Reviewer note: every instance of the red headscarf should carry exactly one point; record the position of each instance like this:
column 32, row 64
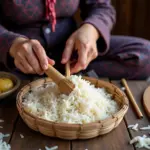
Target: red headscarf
column 50, row 12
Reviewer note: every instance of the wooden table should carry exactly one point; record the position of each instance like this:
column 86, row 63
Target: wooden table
column 118, row 139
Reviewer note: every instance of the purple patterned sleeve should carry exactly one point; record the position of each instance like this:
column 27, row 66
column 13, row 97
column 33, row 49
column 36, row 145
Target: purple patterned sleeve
column 6, row 40
column 102, row 16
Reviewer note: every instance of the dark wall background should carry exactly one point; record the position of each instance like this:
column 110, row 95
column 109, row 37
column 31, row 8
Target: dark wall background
column 133, row 17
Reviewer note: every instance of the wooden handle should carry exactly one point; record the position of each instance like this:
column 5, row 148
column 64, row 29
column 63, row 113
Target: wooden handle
column 146, row 100
column 55, row 75
column 131, row 98
column 68, row 69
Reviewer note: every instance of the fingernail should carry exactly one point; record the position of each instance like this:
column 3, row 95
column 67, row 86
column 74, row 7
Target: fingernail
column 45, row 67
column 63, row 60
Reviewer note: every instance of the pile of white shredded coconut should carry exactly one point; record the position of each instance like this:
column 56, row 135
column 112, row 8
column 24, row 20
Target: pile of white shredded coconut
column 3, row 144
column 83, row 105
column 141, row 142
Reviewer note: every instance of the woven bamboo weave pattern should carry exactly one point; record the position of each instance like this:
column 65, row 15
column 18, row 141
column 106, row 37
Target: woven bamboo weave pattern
column 74, row 131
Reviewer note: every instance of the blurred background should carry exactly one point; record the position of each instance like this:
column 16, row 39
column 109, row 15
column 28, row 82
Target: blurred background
column 133, row 18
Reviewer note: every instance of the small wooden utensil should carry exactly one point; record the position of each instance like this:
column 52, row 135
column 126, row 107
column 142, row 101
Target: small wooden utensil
column 131, row 98
column 67, row 69
column 65, row 85
column 146, row 100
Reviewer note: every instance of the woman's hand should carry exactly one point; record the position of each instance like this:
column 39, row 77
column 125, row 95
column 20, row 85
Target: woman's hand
column 84, row 41
column 29, row 56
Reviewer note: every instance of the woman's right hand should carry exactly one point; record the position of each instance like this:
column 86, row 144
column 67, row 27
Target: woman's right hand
column 29, row 56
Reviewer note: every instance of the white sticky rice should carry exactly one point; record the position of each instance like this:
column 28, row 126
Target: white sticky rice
column 84, row 104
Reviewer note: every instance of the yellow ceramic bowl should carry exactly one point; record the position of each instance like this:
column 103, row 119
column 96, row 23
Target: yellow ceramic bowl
column 14, row 79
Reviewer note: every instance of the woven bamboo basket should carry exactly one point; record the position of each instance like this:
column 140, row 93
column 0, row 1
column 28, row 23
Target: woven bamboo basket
column 74, row 131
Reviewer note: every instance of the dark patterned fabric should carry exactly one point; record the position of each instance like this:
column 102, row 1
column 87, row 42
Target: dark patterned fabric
column 23, row 17
column 51, row 13
column 118, row 56
column 128, row 57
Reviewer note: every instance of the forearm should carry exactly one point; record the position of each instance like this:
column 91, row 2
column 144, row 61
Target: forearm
column 100, row 15
column 91, row 30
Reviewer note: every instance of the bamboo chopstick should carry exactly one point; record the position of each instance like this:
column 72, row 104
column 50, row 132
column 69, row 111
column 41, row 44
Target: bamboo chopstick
column 131, row 98
column 67, row 68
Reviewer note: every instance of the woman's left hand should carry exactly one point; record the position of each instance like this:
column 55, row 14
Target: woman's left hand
column 84, row 41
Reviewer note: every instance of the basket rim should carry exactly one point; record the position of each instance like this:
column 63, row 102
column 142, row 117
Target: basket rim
column 48, row 80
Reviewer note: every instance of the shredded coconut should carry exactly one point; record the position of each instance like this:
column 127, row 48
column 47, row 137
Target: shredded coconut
column 3, row 144
column 145, row 128
column 83, row 105
column 141, row 142
column 130, row 126
column 6, row 135
column 22, row 136
column 1, row 120
column 52, row 148
column 133, row 127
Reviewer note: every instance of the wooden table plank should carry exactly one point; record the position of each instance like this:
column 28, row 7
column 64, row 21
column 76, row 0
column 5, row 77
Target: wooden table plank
column 116, row 140
column 33, row 140
column 137, row 88
column 9, row 114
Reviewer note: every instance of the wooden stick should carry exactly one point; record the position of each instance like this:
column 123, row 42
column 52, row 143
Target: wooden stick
column 131, row 98
column 54, row 74
column 65, row 85
column 68, row 69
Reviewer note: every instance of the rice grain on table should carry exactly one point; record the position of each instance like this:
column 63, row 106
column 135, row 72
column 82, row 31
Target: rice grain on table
column 145, row 128
column 134, row 127
column 52, row 148
column 84, row 104
column 1, row 120
column 22, row 136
